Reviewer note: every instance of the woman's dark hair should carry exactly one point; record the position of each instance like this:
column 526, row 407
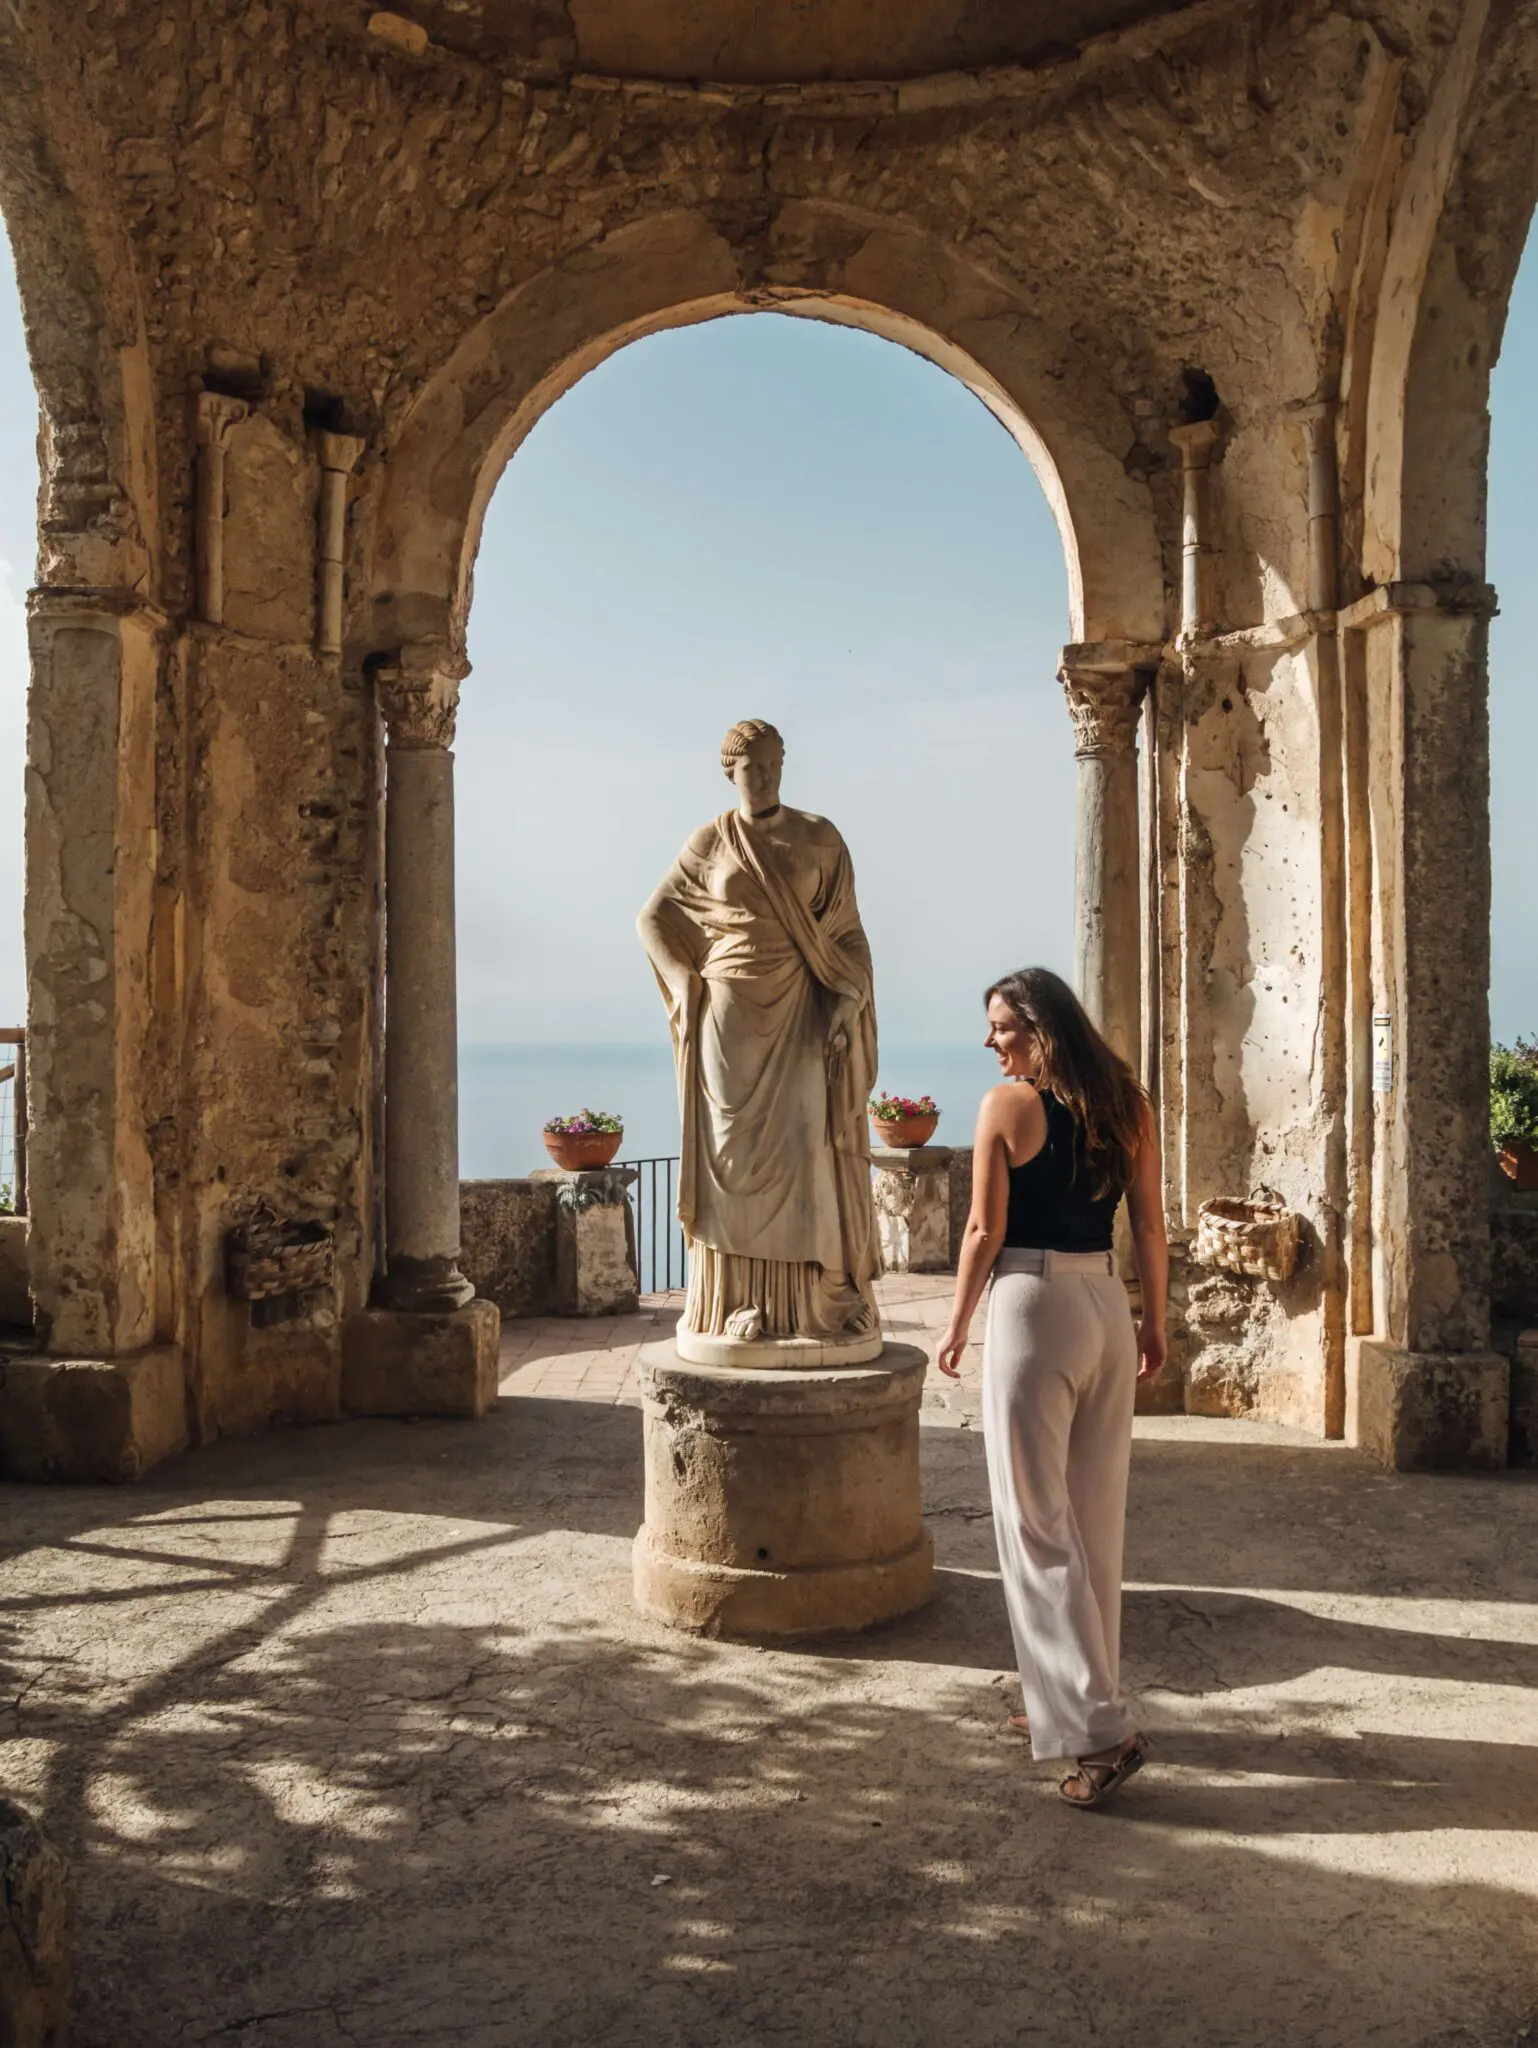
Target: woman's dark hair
column 1082, row 1071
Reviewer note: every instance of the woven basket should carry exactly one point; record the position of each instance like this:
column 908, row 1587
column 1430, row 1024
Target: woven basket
column 1258, row 1237
column 268, row 1256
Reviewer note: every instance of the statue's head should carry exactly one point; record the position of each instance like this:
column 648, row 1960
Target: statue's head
column 753, row 756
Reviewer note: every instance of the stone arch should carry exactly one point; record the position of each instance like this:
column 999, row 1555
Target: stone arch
column 679, row 268
column 97, row 524
column 1459, row 224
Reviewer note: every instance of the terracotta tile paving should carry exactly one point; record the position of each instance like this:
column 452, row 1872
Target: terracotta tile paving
column 593, row 1358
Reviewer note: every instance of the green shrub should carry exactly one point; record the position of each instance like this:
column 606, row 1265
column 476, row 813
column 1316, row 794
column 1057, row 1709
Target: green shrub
column 1514, row 1092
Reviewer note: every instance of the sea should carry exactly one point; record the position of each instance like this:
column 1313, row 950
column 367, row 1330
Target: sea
column 507, row 1092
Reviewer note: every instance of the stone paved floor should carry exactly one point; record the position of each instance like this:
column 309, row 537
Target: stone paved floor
column 595, row 1361
column 355, row 1737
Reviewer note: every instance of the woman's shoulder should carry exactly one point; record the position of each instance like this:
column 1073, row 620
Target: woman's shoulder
column 1007, row 1105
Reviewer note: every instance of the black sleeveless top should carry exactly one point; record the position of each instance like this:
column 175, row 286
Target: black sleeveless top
column 1050, row 1205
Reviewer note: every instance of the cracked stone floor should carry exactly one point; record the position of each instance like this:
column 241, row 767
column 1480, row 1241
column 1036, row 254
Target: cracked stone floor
column 355, row 1738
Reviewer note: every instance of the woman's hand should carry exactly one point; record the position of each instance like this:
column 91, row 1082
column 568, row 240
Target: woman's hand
column 1151, row 1347
column 949, row 1355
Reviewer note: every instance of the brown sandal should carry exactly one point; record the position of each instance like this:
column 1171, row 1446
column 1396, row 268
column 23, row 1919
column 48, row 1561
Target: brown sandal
column 1103, row 1778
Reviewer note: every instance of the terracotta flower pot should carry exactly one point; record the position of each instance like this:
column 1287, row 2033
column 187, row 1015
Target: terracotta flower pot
column 1519, row 1163
column 909, row 1130
column 584, row 1153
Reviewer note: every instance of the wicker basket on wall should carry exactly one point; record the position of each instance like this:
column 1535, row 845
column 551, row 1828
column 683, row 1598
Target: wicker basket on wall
column 1258, row 1237
column 269, row 1255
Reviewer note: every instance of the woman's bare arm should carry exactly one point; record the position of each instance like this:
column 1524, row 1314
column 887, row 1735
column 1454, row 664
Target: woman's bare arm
column 1007, row 1121
column 1145, row 1205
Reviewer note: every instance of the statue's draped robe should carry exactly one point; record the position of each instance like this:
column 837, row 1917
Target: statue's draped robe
column 774, row 1180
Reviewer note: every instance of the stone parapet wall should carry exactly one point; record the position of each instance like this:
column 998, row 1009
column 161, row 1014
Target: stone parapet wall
column 551, row 1244
column 1514, row 1258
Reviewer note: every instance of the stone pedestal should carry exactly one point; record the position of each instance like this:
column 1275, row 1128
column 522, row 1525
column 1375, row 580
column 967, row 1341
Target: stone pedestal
column 408, row 1362
column 782, row 1504
column 1422, row 1411
column 911, row 1188
column 594, row 1249
column 87, row 1419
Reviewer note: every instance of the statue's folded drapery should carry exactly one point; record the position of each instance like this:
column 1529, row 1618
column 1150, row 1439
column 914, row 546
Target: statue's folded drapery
column 774, row 1182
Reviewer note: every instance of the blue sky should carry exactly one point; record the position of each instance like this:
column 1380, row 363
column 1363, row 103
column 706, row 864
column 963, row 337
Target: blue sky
column 769, row 517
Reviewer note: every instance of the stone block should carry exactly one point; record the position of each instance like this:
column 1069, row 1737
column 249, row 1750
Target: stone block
column 15, row 1285
column 1523, row 1425
column 507, row 1243
column 911, row 1189
column 91, row 1418
column 396, row 1362
column 1514, row 1256
column 594, row 1241
column 782, row 1504
column 37, row 1925
column 1432, row 1411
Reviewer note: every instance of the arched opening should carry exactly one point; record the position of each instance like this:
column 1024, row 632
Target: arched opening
column 1513, row 544
column 1513, row 541
column 424, row 522
column 18, row 549
column 775, row 517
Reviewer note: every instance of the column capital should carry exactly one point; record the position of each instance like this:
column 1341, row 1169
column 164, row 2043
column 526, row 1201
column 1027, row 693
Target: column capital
column 418, row 691
column 217, row 412
column 339, row 452
column 1196, row 442
column 1105, row 688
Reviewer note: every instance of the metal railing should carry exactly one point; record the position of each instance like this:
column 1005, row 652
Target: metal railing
column 13, row 1121
column 658, row 1242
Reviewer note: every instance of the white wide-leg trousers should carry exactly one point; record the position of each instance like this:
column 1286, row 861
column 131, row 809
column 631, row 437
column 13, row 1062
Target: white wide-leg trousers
column 1059, row 1372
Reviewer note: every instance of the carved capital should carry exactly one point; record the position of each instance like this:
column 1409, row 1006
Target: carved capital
column 339, row 452
column 1196, row 442
column 217, row 412
column 418, row 690
column 1104, row 702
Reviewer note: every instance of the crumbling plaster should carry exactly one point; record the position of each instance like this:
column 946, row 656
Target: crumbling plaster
column 1220, row 204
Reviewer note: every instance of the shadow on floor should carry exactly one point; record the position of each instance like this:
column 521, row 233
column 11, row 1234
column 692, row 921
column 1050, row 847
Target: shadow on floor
column 356, row 1738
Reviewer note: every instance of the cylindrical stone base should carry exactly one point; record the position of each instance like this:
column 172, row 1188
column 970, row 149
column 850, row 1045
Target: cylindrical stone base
column 782, row 1504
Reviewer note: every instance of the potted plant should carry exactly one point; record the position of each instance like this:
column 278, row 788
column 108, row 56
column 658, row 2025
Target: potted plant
column 581, row 1143
column 903, row 1119
column 1514, row 1110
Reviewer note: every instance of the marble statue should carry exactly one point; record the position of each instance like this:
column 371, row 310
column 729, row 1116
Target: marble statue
column 765, row 970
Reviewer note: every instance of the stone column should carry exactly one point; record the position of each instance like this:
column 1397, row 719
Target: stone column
column 428, row 1347
column 338, row 458
column 1196, row 444
column 1430, row 1391
column 1105, row 685
column 419, row 696
column 106, row 1401
column 216, row 415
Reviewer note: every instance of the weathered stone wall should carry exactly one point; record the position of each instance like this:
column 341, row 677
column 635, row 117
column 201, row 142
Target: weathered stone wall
column 1514, row 1258
column 507, row 1243
column 1228, row 212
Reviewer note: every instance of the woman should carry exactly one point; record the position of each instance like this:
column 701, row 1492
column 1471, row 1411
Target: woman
column 1058, row 1146
column 757, row 944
